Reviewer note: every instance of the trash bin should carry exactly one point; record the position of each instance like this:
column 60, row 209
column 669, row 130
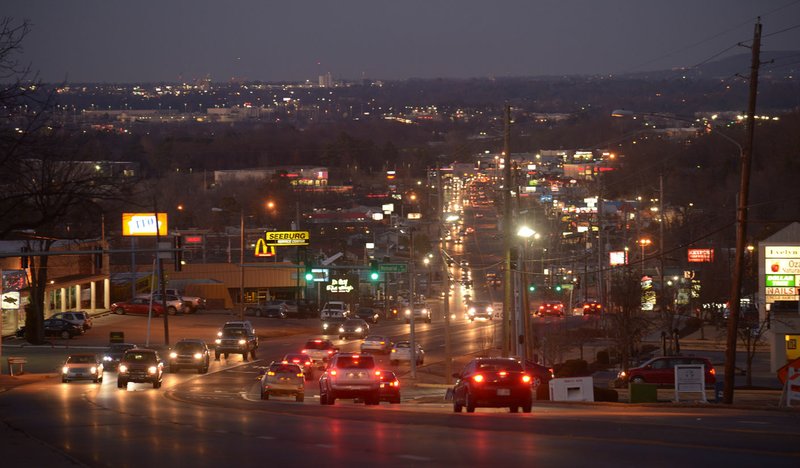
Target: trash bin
column 719, row 391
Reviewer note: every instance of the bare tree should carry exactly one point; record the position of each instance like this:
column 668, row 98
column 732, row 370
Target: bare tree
column 627, row 324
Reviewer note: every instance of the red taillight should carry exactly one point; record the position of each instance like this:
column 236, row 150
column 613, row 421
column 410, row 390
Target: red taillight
column 552, row 374
column 378, row 373
column 333, row 371
column 541, row 307
column 503, row 373
column 526, row 379
column 295, row 361
column 477, row 378
column 330, row 351
column 305, row 351
column 713, row 371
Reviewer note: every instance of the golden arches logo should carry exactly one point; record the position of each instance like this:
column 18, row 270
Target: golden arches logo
column 263, row 249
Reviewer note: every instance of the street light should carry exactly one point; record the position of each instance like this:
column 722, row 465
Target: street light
column 523, row 317
column 241, row 258
column 644, row 243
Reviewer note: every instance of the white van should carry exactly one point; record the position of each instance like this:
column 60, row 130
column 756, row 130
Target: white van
column 334, row 309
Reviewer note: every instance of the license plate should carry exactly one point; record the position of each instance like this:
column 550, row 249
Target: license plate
column 503, row 392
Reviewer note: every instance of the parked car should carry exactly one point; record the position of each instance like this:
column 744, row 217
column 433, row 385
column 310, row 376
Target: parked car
column 376, row 343
column 661, row 371
column 283, row 378
column 189, row 353
column 271, row 309
column 540, row 375
column 350, row 375
column 551, row 308
column 191, row 303
column 390, row 387
column 401, row 351
column 369, row 314
column 492, row 383
column 114, row 353
column 58, row 327
column 353, row 328
column 175, row 305
column 79, row 318
column 82, row 367
column 137, row 305
column 141, row 366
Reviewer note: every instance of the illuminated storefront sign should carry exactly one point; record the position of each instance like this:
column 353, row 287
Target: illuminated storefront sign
column 700, row 255
column 781, row 270
column 143, row 224
column 284, row 238
column 618, row 258
column 339, row 286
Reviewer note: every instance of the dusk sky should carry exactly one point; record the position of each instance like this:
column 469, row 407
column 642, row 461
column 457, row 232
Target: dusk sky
column 171, row 40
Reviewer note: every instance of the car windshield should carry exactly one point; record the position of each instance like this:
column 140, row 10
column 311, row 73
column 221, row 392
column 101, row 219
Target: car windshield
column 234, row 332
column 353, row 362
column 81, row 359
column 140, row 357
column 403, row 344
column 296, row 358
column 284, row 369
column 188, row 346
column 354, row 323
column 500, row 365
column 118, row 348
column 317, row 344
column 374, row 338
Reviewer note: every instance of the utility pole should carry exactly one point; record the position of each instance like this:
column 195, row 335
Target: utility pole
column 161, row 286
column 741, row 220
column 448, row 358
column 661, row 221
column 508, row 305
column 413, row 340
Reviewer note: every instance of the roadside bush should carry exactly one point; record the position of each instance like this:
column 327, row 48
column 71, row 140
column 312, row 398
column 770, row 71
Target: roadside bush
column 572, row 368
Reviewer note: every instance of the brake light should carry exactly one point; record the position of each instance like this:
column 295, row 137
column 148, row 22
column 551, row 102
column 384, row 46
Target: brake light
column 355, row 356
column 383, row 342
column 477, row 378
column 526, row 379
column 330, row 351
column 305, row 351
column 317, row 341
column 503, row 373
column 712, row 371
column 333, row 371
column 295, row 361
column 378, row 373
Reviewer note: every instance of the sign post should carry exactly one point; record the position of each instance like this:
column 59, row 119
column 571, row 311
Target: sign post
column 690, row 378
column 393, row 267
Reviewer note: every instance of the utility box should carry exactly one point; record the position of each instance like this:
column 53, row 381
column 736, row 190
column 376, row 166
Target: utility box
column 572, row 389
column 643, row 392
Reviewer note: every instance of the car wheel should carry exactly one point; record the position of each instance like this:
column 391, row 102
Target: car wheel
column 98, row 380
column 253, row 353
column 201, row 370
column 637, row 380
column 155, row 384
column 341, row 337
column 457, row 407
column 120, row 311
column 469, row 403
column 244, row 356
column 300, row 397
column 172, row 310
column 64, row 380
column 264, row 395
column 395, row 401
column 122, row 384
column 428, row 321
column 331, row 399
column 216, row 356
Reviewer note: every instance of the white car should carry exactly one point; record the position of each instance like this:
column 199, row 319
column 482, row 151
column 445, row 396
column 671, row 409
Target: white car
column 82, row 367
column 175, row 304
column 401, row 351
column 421, row 313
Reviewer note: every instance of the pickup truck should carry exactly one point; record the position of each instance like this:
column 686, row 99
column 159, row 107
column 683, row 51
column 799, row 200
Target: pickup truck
column 192, row 303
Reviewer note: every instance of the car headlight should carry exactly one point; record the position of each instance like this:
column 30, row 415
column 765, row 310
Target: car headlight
column 123, row 368
column 219, row 333
column 218, row 341
column 93, row 370
column 341, row 329
column 424, row 311
column 64, row 370
column 358, row 330
column 324, row 326
column 622, row 375
column 408, row 311
column 173, row 355
column 198, row 355
column 241, row 342
column 489, row 309
column 107, row 358
column 152, row 369
column 471, row 311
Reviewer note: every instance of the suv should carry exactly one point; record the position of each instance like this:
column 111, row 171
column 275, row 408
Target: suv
column 236, row 341
column 320, row 351
column 553, row 308
column 350, row 375
column 661, row 371
column 79, row 318
column 189, row 353
column 244, row 324
column 334, row 309
column 480, row 310
column 140, row 365
column 283, row 378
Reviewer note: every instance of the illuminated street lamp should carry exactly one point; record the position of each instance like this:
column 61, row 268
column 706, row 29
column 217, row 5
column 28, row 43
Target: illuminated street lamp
column 644, row 243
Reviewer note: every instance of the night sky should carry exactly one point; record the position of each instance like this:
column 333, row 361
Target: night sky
column 172, row 40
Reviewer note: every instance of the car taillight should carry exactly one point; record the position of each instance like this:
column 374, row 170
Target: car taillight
column 333, row 371
column 712, row 371
column 503, row 373
column 330, row 351
column 541, row 307
column 477, row 378
column 526, row 379
column 378, row 373
column 305, row 351
column 552, row 374
column 300, row 374
column 295, row 361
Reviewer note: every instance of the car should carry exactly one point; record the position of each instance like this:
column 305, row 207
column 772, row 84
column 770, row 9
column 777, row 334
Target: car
column 350, row 375
column 330, row 325
column 139, row 306
column 113, row 354
column 390, row 387
column 401, row 351
column 60, row 328
column 481, row 310
column 242, row 324
column 320, row 351
column 376, row 343
column 492, row 383
column 175, row 304
column 421, row 313
column 79, row 318
column 236, row 341
column 540, row 375
column 191, row 303
column 303, row 360
column 140, row 365
column 334, row 308
column 82, row 367
column 271, row 309
column 592, row 308
column 661, row 371
column 283, row 378
column 189, row 353
column 353, row 328
column 370, row 314
column 551, row 308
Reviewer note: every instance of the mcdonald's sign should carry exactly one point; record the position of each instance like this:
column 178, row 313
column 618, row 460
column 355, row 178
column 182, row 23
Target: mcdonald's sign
column 263, row 249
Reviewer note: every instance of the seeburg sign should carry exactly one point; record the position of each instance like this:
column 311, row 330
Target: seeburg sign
column 265, row 247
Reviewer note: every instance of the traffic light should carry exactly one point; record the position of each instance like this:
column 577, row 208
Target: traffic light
column 177, row 253
column 558, row 288
column 374, row 271
column 309, row 274
column 532, row 287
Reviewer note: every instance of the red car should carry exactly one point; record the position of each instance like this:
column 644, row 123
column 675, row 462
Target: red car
column 592, row 308
column 661, row 371
column 553, row 308
column 137, row 305
column 390, row 387
column 493, row 383
column 302, row 360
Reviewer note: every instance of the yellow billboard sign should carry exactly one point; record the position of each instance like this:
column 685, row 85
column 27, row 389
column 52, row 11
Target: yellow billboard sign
column 286, row 238
column 144, row 224
column 264, row 250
